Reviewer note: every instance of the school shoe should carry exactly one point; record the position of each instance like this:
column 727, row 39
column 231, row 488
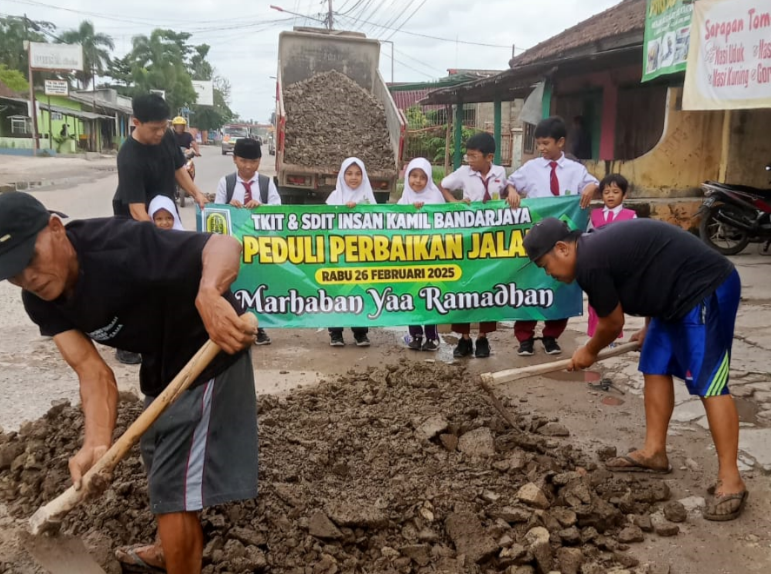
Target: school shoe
column 128, row 358
column 465, row 348
column 416, row 344
column 551, row 346
column 262, row 338
column 362, row 341
column 430, row 345
column 336, row 341
column 483, row 348
column 526, row 348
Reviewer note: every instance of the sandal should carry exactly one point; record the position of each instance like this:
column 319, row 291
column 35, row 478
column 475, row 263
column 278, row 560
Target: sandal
column 130, row 561
column 736, row 500
column 629, row 464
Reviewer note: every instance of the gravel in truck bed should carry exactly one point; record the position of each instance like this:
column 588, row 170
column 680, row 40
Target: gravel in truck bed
column 330, row 118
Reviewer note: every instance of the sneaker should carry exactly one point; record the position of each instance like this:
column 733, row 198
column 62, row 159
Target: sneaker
column 362, row 341
column 464, row 349
column 551, row 346
column 483, row 348
column 416, row 344
column 430, row 345
column 526, row 348
column 262, row 338
column 336, row 341
column 128, row 358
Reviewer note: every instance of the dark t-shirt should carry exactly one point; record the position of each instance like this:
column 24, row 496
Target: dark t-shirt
column 652, row 268
column 145, row 171
column 136, row 291
column 185, row 139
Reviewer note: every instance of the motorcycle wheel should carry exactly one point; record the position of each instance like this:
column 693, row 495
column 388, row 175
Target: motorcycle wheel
column 719, row 236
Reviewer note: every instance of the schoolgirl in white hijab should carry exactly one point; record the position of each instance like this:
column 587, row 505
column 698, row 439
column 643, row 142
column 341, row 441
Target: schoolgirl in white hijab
column 349, row 176
column 162, row 203
column 419, row 186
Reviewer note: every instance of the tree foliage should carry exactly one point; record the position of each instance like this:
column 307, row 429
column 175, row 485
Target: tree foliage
column 14, row 30
column 14, row 79
column 96, row 51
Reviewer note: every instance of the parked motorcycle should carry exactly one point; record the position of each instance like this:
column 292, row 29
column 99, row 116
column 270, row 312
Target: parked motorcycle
column 190, row 167
column 733, row 216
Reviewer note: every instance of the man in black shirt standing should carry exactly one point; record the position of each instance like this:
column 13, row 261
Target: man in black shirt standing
column 162, row 294
column 150, row 163
column 689, row 296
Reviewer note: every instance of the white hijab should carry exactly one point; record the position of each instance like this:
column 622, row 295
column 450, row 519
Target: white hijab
column 343, row 194
column 430, row 194
column 162, row 202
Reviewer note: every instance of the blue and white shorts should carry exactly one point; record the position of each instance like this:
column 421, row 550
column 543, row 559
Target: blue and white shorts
column 696, row 348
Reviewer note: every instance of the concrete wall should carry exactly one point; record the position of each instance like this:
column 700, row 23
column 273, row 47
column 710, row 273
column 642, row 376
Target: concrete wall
column 749, row 150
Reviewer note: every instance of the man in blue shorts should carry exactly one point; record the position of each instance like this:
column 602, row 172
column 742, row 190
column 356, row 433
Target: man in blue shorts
column 689, row 295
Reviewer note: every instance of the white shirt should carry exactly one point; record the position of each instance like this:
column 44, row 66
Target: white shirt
column 473, row 184
column 534, row 178
column 239, row 193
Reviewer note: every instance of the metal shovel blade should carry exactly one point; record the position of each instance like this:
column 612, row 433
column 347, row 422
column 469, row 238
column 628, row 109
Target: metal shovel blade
column 61, row 554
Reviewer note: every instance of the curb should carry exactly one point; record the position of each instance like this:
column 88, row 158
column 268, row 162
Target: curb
column 40, row 185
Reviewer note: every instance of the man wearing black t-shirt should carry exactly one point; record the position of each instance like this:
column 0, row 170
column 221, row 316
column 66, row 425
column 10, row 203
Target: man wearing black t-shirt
column 689, row 296
column 162, row 294
column 150, row 163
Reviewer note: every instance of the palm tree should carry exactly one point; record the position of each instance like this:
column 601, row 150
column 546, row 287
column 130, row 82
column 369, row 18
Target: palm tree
column 96, row 55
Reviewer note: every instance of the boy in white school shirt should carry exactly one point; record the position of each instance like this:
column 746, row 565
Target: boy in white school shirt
column 551, row 175
column 248, row 189
column 480, row 180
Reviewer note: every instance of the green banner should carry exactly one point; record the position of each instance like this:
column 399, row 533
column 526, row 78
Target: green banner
column 667, row 37
column 394, row 265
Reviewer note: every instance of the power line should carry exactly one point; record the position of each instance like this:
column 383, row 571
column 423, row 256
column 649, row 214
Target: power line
column 408, row 19
column 409, row 67
column 428, row 66
column 390, row 21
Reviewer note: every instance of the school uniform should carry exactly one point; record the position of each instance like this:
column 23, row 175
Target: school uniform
column 242, row 186
column 431, row 195
column 343, row 195
column 162, row 202
column 541, row 177
column 477, row 187
column 599, row 219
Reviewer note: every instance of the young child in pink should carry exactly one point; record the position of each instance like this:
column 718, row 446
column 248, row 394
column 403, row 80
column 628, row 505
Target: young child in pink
column 613, row 189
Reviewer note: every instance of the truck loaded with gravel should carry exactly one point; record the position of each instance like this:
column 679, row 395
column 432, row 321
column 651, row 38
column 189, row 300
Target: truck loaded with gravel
column 333, row 104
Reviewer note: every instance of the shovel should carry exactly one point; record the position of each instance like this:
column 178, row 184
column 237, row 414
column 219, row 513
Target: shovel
column 509, row 375
column 67, row 555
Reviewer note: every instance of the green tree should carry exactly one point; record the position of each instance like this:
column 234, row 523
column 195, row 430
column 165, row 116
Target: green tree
column 14, row 30
column 96, row 51
column 214, row 117
column 14, row 79
column 200, row 68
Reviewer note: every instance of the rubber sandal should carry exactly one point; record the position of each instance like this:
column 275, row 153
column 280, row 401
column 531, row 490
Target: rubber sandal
column 635, row 466
column 709, row 512
column 137, row 564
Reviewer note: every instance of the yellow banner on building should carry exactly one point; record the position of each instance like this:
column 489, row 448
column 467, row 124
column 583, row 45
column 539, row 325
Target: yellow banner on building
column 729, row 61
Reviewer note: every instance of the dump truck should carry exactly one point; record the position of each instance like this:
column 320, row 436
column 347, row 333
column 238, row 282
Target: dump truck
column 303, row 54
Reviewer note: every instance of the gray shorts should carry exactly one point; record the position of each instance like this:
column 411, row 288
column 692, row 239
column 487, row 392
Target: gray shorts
column 203, row 450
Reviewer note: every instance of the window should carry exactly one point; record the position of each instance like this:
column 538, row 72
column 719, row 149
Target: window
column 528, row 138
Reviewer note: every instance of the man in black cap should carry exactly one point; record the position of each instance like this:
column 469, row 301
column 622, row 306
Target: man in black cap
column 125, row 283
column 689, row 296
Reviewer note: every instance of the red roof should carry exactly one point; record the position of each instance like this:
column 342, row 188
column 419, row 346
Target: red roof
column 405, row 100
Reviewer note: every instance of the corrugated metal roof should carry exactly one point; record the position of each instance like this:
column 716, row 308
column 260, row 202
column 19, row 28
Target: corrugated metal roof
column 624, row 18
column 73, row 113
column 405, row 100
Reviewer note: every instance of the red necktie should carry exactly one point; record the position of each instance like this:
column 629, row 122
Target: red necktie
column 487, row 197
column 248, row 192
column 611, row 216
column 554, row 183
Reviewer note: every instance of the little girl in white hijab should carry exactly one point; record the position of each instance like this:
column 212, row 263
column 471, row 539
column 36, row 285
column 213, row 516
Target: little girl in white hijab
column 420, row 190
column 353, row 186
column 164, row 213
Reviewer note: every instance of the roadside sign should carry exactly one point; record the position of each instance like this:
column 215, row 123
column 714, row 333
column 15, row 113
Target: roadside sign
column 56, row 88
column 161, row 93
column 667, row 37
column 61, row 57
column 205, row 91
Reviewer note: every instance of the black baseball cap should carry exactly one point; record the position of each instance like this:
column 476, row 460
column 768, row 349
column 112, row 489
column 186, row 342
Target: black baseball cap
column 543, row 236
column 22, row 218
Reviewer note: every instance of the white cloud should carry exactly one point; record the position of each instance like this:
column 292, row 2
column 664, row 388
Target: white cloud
column 244, row 42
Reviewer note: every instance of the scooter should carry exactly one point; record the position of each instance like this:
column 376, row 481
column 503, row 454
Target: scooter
column 190, row 167
column 733, row 216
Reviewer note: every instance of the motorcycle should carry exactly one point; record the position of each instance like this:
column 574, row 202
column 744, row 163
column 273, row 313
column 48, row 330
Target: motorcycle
column 733, row 216
column 190, row 167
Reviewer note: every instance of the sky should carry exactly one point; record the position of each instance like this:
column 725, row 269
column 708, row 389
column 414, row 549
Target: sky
column 243, row 34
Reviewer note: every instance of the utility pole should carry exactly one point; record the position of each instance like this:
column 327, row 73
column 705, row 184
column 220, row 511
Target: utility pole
column 33, row 107
column 331, row 17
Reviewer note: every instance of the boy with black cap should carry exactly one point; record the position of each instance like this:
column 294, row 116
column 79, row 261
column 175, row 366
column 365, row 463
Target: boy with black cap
column 246, row 188
column 689, row 295
column 163, row 294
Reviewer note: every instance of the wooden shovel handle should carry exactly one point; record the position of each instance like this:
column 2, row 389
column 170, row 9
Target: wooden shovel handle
column 552, row 367
column 61, row 505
